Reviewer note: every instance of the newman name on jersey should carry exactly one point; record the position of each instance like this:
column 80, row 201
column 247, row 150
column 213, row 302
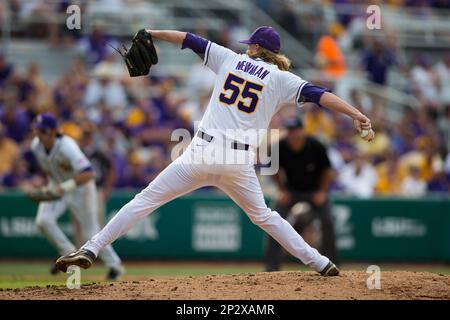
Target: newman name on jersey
column 247, row 93
column 252, row 69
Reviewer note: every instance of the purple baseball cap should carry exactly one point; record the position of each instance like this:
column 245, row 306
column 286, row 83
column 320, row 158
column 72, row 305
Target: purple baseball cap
column 266, row 37
column 45, row 121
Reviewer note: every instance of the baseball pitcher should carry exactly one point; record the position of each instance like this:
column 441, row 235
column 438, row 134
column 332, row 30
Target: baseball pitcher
column 249, row 88
column 71, row 185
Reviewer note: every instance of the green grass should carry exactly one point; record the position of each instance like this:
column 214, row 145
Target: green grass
column 17, row 274
column 23, row 274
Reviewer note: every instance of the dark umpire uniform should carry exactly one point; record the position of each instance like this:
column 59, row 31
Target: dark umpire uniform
column 103, row 167
column 304, row 176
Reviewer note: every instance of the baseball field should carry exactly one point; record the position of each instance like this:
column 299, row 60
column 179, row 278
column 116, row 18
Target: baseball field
column 229, row 280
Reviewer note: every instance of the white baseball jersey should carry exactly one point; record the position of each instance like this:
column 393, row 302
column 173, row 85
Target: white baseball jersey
column 247, row 93
column 63, row 162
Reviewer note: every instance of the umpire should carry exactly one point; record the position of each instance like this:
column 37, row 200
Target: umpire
column 304, row 176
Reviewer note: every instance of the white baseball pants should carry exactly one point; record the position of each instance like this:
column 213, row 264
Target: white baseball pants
column 238, row 181
column 82, row 202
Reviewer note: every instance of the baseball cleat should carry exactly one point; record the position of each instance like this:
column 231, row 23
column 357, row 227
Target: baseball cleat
column 115, row 273
column 82, row 258
column 54, row 270
column 330, row 270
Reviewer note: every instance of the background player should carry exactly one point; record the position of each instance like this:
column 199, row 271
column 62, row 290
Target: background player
column 304, row 176
column 248, row 91
column 71, row 176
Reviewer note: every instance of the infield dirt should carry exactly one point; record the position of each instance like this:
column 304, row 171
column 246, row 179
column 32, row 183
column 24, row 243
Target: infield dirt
column 350, row 285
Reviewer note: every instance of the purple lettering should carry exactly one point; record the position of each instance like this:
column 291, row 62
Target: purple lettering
column 240, row 65
column 264, row 74
column 258, row 73
column 253, row 70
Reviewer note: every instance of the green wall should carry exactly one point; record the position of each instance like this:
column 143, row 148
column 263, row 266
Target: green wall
column 208, row 226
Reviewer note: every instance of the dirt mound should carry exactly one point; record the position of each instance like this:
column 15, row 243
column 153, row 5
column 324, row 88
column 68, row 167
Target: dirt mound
column 278, row 285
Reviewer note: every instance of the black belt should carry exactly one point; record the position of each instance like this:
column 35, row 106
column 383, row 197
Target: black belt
column 234, row 145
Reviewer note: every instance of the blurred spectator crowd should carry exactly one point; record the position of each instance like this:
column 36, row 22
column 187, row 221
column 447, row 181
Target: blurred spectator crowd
column 127, row 122
column 125, row 125
column 410, row 156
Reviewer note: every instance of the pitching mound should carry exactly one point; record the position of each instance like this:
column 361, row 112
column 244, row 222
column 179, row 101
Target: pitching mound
column 279, row 285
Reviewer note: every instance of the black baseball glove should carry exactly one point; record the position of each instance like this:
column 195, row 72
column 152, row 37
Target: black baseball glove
column 141, row 55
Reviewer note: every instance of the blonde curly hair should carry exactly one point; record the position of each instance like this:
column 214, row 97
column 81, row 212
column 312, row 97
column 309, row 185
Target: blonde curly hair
column 283, row 62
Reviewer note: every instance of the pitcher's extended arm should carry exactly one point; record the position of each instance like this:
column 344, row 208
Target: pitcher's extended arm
column 172, row 36
column 335, row 103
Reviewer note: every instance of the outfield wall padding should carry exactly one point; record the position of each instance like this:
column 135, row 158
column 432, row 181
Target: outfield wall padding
column 207, row 226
